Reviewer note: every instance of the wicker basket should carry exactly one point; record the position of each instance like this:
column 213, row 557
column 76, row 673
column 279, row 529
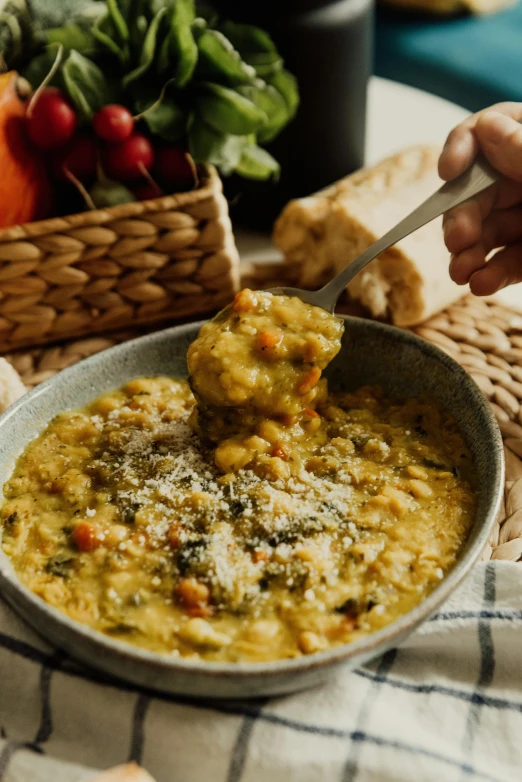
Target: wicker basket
column 170, row 257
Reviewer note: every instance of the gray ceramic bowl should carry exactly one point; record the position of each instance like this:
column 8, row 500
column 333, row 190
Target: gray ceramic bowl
column 372, row 353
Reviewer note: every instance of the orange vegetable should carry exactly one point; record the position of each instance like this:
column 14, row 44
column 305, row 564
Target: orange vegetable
column 192, row 593
column 25, row 191
column 86, row 536
column 309, row 381
column 269, row 339
column 244, row 301
column 280, row 452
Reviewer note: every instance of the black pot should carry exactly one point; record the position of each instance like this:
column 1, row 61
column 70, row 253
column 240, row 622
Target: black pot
column 327, row 45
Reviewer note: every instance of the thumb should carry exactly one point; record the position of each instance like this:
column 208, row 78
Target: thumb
column 500, row 138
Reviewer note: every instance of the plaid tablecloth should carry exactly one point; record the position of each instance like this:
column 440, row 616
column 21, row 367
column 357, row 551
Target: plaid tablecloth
column 445, row 706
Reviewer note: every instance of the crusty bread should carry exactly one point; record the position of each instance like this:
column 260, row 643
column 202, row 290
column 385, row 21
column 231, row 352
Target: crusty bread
column 129, row 772
column 321, row 234
column 11, row 387
column 450, row 7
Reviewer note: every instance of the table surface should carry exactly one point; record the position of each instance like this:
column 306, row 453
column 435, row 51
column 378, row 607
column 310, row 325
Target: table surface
column 471, row 59
column 398, row 116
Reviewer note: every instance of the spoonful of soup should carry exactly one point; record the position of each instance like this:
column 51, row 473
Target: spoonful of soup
column 260, row 359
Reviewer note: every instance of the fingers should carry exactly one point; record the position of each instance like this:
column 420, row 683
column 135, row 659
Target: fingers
column 500, row 139
column 458, row 153
column 466, row 263
column 494, row 218
column 463, row 226
column 462, row 144
column 502, row 227
column 505, row 268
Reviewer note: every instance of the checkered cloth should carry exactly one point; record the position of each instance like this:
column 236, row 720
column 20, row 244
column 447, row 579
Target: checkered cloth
column 445, row 706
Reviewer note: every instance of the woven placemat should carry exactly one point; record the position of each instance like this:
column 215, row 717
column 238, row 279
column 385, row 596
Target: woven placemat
column 484, row 336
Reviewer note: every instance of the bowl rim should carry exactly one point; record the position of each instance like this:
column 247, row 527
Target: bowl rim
column 365, row 646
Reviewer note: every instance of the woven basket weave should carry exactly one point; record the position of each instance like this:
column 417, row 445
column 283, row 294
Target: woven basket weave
column 136, row 263
column 485, row 337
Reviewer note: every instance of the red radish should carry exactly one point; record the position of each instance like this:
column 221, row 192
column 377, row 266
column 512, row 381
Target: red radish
column 126, row 161
column 51, row 122
column 173, row 168
column 80, row 158
column 147, row 191
column 113, row 123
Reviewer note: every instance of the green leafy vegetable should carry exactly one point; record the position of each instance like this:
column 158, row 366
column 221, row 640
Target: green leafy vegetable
column 226, row 91
column 218, row 60
column 247, row 38
column 257, row 163
column 60, row 565
column 118, row 20
column 207, row 145
column 71, row 36
column 85, row 84
column 179, row 45
column 129, row 9
column 15, row 32
column 255, row 47
column 265, row 63
column 182, row 13
column 167, row 120
column 55, row 14
column 139, row 31
column 18, row 33
column 272, row 103
column 39, row 67
column 103, row 31
column 227, row 111
column 107, row 193
column 286, row 84
column 148, row 51
column 198, row 25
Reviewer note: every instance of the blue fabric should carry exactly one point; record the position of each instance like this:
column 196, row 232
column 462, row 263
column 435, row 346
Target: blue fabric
column 472, row 61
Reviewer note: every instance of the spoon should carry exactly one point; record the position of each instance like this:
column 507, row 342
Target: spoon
column 476, row 178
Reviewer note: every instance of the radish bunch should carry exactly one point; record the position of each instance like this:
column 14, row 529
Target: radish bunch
column 148, row 80
column 116, row 162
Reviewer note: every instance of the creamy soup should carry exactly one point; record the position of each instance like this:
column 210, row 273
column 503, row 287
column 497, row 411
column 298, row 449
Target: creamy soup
column 320, row 520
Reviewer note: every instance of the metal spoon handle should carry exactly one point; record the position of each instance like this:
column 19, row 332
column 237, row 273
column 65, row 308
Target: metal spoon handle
column 478, row 177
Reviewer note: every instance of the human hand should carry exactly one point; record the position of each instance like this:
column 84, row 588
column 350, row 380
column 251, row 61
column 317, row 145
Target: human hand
column 492, row 219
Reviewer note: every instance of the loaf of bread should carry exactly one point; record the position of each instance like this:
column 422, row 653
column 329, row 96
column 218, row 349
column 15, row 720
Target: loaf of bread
column 321, row 234
column 450, row 7
column 11, row 387
column 129, row 772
